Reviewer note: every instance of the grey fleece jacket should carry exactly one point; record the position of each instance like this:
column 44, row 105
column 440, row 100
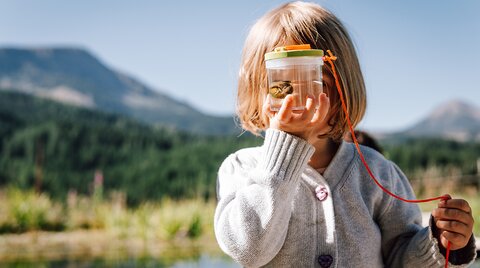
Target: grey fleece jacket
column 274, row 210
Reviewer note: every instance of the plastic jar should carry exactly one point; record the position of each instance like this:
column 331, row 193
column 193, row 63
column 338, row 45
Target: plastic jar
column 296, row 70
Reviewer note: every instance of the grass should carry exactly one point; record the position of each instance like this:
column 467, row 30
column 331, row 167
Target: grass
column 23, row 211
column 89, row 226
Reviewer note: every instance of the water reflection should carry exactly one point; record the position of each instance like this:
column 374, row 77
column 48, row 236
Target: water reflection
column 204, row 261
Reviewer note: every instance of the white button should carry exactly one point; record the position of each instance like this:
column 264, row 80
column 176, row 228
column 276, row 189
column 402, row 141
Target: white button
column 321, row 192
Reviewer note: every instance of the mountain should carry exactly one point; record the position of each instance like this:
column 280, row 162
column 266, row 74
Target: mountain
column 75, row 76
column 456, row 119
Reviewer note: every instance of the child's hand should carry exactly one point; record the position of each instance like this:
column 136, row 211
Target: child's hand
column 454, row 221
column 307, row 124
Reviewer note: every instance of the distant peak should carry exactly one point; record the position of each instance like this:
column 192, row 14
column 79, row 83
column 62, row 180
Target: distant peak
column 44, row 48
column 46, row 51
column 455, row 107
column 457, row 103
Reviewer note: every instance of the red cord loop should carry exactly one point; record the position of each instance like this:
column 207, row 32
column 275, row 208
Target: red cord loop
column 330, row 58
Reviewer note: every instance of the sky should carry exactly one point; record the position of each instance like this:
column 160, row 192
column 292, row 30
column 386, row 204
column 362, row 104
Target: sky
column 415, row 55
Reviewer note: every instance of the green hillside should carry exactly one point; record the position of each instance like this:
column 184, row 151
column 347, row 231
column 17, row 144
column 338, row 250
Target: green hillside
column 413, row 154
column 60, row 147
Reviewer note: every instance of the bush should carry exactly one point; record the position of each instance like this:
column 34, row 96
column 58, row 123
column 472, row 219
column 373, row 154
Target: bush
column 26, row 211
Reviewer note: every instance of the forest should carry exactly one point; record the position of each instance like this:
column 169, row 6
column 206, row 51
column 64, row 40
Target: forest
column 56, row 149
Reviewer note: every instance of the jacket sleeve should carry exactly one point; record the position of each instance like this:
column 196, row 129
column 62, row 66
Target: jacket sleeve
column 254, row 206
column 405, row 243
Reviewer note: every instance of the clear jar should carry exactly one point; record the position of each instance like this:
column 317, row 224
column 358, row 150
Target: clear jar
column 295, row 70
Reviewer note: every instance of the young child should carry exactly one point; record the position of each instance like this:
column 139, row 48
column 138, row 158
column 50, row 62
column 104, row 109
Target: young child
column 304, row 198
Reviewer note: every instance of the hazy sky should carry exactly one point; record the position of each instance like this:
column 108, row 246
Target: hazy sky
column 415, row 55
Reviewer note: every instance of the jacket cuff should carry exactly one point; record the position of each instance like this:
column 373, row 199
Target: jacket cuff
column 458, row 258
column 285, row 156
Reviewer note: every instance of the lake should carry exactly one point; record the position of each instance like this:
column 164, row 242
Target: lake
column 203, row 261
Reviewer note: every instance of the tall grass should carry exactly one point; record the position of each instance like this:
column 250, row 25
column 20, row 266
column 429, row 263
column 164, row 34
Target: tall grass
column 22, row 211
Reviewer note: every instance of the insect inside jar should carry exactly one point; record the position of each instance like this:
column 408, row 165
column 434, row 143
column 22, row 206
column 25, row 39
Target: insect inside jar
column 281, row 89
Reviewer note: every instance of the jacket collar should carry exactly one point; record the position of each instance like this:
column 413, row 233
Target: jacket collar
column 340, row 167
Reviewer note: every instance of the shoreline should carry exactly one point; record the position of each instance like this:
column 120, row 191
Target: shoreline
column 91, row 244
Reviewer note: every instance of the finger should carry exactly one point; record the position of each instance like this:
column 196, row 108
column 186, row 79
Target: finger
column 323, row 108
column 285, row 112
column 297, row 103
column 266, row 107
column 458, row 241
column 452, row 214
column 309, row 109
column 455, row 203
column 454, row 226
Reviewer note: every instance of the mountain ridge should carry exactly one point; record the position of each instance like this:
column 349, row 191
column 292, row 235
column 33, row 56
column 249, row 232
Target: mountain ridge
column 76, row 76
column 455, row 119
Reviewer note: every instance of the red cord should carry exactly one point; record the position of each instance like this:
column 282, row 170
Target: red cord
column 447, row 254
column 330, row 58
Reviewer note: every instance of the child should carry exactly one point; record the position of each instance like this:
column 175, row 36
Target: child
column 304, row 198
column 365, row 139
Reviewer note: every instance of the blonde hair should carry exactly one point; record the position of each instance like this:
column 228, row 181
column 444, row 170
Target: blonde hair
column 300, row 23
